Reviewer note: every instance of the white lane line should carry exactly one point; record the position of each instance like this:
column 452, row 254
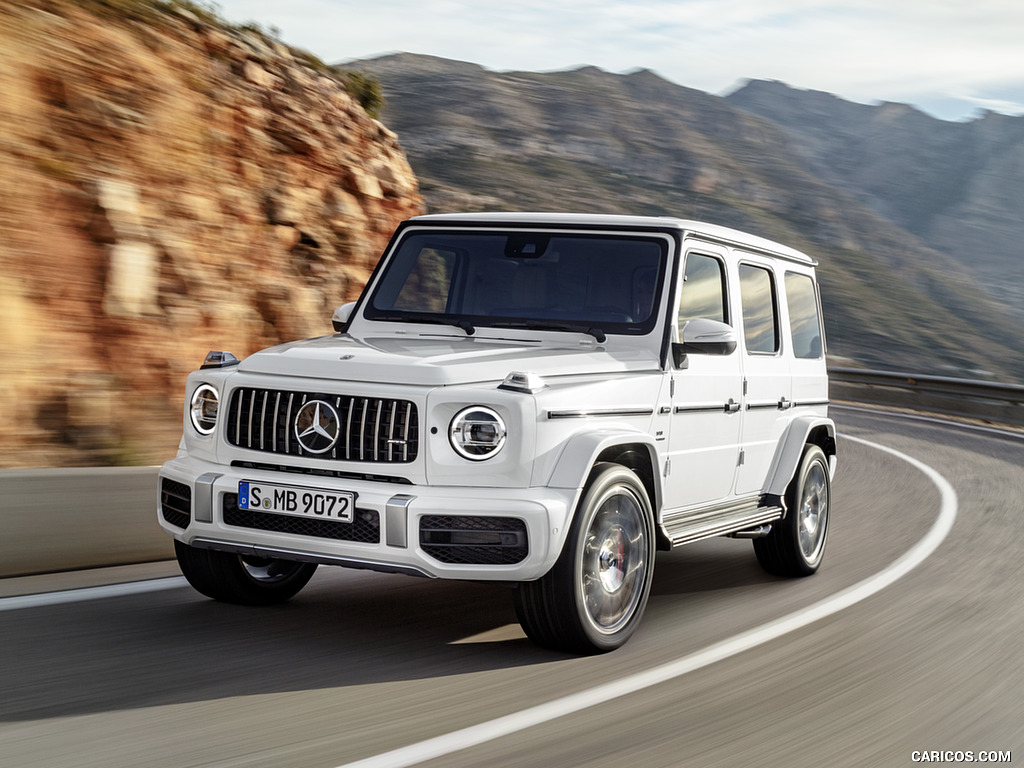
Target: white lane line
column 527, row 718
column 90, row 593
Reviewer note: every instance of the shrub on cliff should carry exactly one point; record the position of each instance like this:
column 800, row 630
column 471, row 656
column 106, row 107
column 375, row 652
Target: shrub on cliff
column 365, row 89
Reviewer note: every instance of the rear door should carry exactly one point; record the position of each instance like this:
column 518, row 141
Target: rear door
column 767, row 378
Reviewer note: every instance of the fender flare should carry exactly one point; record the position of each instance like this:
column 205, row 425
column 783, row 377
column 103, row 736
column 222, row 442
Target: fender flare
column 791, row 450
column 582, row 450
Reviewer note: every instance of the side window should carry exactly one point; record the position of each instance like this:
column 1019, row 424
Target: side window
column 703, row 292
column 804, row 320
column 760, row 309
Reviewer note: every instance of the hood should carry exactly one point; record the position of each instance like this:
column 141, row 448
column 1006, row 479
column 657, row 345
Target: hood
column 439, row 361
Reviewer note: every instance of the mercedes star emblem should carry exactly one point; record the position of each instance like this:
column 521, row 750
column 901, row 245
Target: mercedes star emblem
column 317, row 426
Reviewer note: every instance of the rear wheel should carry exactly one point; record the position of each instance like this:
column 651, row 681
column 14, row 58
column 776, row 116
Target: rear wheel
column 796, row 545
column 592, row 600
column 242, row 579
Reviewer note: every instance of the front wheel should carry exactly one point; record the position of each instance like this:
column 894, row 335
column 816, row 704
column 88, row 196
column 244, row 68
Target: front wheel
column 242, row 579
column 796, row 544
column 592, row 599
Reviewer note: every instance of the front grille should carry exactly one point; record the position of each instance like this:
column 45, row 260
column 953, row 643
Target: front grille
column 364, row 529
column 175, row 502
column 474, row 540
column 370, row 429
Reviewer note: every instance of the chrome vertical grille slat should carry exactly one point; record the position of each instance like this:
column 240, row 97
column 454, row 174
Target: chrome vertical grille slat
column 376, row 433
column 391, row 430
column 252, row 407
column 362, row 429
column 287, row 424
column 370, row 428
column 405, row 432
column 263, row 419
column 277, row 410
column 348, row 429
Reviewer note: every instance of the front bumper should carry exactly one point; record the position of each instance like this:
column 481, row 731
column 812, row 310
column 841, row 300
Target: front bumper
column 481, row 534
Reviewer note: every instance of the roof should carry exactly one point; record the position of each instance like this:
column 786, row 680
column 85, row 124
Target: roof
column 695, row 229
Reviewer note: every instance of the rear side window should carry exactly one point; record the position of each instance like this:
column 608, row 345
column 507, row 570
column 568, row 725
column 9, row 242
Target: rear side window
column 804, row 319
column 703, row 293
column 760, row 310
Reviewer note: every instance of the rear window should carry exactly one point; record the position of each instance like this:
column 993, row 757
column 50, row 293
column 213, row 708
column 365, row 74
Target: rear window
column 804, row 318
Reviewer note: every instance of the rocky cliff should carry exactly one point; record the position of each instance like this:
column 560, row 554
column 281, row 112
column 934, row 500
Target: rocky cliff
column 170, row 185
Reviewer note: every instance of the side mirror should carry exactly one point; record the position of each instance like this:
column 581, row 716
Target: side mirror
column 702, row 336
column 342, row 315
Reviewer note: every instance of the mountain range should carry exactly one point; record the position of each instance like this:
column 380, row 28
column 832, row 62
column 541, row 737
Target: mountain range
column 914, row 220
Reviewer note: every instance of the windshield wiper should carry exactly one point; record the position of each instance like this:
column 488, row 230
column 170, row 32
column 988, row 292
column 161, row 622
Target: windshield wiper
column 545, row 325
column 465, row 325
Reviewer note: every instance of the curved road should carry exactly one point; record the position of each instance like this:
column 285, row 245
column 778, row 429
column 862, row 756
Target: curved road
column 360, row 664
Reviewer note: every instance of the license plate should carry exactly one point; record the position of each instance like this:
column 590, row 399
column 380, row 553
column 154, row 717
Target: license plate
column 301, row 502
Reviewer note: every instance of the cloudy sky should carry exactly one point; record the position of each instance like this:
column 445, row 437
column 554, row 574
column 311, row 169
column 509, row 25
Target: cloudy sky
column 950, row 58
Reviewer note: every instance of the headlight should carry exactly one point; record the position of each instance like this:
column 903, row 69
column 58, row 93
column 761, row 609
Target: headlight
column 203, row 409
column 477, row 433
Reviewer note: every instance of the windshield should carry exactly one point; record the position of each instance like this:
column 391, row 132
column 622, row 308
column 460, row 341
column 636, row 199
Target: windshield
column 593, row 283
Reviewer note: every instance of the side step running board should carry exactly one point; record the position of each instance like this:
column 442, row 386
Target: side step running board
column 749, row 523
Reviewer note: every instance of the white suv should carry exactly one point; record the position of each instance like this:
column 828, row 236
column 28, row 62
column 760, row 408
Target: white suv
column 540, row 399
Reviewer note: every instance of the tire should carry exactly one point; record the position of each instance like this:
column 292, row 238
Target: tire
column 592, row 600
column 796, row 544
column 241, row 579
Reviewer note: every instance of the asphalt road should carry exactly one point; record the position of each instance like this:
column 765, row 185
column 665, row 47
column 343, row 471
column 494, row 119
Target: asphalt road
column 360, row 664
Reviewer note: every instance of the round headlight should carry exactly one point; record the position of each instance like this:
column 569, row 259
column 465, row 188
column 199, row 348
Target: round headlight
column 477, row 433
column 203, row 409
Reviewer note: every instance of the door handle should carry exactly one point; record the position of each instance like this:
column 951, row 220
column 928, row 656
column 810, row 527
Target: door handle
column 732, row 406
column 784, row 403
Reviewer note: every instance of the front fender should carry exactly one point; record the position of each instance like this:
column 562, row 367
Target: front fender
column 584, row 449
column 791, row 450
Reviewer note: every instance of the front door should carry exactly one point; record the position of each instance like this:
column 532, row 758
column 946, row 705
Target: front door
column 706, row 395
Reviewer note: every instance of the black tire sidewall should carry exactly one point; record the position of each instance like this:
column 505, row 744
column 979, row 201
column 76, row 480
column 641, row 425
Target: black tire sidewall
column 223, row 576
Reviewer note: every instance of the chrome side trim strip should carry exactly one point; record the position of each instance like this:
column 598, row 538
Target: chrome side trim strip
column 601, row 412
column 719, row 408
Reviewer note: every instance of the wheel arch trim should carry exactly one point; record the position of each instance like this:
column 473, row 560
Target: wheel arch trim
column 819, row 430
column 586, row 449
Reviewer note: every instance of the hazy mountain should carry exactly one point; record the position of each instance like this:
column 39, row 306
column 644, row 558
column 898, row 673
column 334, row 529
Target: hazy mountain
column 957, row 186
column 587, row 140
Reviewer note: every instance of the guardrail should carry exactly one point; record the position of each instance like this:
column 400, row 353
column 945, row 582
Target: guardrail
column 988, row 401
column 69, row 519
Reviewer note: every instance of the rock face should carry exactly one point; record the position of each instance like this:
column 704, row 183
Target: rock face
column 170, row 186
